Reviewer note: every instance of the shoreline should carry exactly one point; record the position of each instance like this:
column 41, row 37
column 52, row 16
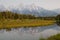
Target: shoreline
column 25, row 23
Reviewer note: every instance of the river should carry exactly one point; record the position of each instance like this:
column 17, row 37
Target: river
column 29, row 33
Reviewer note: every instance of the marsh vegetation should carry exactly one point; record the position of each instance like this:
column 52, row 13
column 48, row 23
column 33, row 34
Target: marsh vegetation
column 54, row 37
column 10, row 20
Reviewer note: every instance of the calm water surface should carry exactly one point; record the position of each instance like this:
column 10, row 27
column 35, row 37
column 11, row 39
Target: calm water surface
column 29, row 33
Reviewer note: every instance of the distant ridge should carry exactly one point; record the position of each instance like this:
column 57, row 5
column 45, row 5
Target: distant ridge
column 57, row 10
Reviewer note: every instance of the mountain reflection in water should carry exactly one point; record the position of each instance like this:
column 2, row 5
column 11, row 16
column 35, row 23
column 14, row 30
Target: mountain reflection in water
column 29, row 33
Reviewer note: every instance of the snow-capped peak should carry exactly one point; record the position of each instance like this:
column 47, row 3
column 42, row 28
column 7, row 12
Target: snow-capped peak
column 30, row 7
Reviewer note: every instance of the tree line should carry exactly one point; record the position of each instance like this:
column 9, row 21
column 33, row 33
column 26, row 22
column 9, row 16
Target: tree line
column 11, row 15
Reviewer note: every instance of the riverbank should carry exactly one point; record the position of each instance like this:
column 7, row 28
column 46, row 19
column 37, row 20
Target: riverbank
column 54, row 37
column 25, row 23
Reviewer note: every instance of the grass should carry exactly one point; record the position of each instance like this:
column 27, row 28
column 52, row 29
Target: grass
column 25, row 23
column 54, row 37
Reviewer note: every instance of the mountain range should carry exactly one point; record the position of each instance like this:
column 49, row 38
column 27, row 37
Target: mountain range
column 57, row 10
column 32, row 9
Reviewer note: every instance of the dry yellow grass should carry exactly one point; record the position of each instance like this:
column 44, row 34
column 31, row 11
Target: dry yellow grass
column 25, row 23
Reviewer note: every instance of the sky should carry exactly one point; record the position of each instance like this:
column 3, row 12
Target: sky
column 47, row 4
